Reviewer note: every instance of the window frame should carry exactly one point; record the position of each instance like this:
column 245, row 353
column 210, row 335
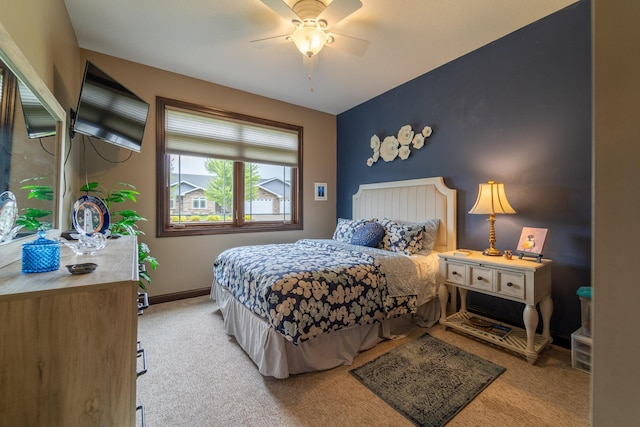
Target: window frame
column 164, row 228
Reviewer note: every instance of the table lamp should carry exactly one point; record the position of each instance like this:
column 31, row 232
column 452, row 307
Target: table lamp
column 492, row 200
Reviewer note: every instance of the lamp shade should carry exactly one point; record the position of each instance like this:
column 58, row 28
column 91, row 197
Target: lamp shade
column 491, row 200
column 309, row 39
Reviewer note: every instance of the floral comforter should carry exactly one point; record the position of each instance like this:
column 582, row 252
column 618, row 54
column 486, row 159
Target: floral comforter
column 312, row 287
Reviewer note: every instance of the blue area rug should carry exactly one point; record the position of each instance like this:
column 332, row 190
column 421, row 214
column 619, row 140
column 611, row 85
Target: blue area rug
column 427, row 380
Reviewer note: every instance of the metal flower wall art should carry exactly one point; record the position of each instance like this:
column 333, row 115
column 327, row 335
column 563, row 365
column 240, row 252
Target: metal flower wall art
column 391, row 146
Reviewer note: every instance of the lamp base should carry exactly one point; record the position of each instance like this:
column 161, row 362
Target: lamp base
column 491, row 252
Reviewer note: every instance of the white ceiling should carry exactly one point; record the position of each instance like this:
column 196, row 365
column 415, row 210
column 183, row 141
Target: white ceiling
column 209, row 40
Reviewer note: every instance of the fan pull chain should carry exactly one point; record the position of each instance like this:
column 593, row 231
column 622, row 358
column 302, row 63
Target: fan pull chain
column 308, row 60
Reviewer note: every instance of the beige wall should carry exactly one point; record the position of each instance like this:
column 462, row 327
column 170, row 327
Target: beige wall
column 42, row 30
column 186, row 262
column 616, row 231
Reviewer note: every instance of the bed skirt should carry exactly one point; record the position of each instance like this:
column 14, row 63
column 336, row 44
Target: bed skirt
column 279, row 358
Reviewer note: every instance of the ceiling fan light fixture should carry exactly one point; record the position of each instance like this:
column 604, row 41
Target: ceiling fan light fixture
column 309, row 39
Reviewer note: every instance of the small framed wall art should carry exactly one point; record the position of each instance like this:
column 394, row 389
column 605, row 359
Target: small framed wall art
column 532, row 242
column 320, row 191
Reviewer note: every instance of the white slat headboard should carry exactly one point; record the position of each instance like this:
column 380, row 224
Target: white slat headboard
column 413, row 200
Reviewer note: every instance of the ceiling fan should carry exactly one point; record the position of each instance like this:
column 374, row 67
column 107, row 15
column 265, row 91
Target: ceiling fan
column 312, row 20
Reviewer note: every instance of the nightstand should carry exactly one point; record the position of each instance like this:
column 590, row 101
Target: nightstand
column 520, row 280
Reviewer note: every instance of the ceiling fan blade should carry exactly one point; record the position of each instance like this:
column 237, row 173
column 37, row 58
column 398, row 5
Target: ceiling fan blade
column 338, row 10
column 351, row 45
column 282, row 9
column 271, row 41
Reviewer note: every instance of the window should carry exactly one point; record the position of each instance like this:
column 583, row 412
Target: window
column 199, row 203
column 223, row 172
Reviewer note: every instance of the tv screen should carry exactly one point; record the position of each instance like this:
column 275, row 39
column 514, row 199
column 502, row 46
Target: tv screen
column 37, row 119
column 109, row 111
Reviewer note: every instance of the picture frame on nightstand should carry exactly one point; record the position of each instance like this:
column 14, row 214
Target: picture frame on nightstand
column 531, row 242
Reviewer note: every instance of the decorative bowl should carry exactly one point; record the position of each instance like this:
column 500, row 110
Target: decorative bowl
column 84, row 268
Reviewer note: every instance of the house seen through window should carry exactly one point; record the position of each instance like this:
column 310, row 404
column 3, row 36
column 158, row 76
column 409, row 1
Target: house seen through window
column 222, row 172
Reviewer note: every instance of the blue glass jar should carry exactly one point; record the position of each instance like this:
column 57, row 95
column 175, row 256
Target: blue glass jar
column 41, row 255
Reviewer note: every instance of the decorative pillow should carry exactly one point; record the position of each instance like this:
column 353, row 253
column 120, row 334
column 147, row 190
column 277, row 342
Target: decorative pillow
column 368, row 235
column 403, row 238
column 346, row 227
column 430, row 234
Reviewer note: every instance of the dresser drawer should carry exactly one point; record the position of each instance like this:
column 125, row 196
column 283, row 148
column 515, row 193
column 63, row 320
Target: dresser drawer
column 481, row 278
column 511, row 284
column 456, row 273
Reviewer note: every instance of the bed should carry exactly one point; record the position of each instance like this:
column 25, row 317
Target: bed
column 316, row 303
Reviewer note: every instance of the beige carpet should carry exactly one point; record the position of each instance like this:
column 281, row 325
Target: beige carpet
column 198, row 376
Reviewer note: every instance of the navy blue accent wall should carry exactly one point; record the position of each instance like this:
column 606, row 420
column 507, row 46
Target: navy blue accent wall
column 517, row 111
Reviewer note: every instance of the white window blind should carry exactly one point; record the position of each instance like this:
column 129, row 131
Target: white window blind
column 189, row 133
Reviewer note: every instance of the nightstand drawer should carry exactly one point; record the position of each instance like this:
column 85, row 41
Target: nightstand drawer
column 456, row 273
column 481, row 278
column 511, row 283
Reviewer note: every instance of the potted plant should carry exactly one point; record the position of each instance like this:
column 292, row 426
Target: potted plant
column 126, row 223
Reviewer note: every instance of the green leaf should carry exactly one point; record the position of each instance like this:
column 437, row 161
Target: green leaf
column 126, row 184
column 91, row 187
column 153, row 262
column 130, row 215
column 129, row 194
column 36, row 213
column 28, row 223
column 129, row 221
column 39, row 192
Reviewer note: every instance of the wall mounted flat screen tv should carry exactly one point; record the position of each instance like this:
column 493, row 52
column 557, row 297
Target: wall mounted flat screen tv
column 37, row 119
column 109, row 111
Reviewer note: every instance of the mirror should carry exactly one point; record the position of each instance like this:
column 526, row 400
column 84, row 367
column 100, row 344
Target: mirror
column 27, row 144
column 31, row 133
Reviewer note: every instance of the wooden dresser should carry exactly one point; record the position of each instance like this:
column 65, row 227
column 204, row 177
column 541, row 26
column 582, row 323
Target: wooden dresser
column 68, row 342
